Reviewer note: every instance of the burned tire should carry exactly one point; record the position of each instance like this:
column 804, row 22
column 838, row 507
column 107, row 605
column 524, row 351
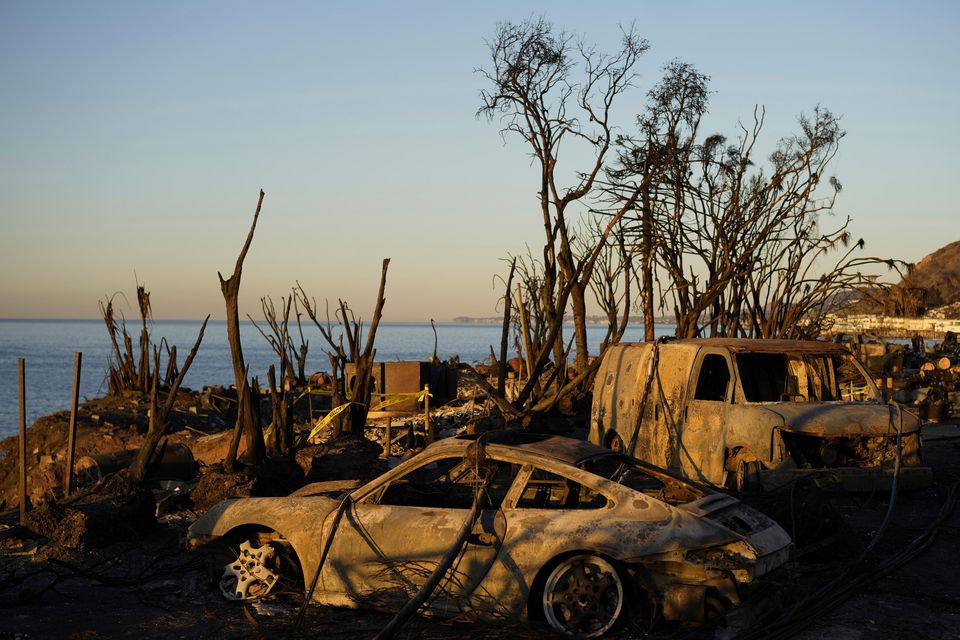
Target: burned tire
column 583, row 597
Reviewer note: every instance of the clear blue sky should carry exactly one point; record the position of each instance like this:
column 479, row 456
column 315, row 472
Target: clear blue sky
column 134, row 137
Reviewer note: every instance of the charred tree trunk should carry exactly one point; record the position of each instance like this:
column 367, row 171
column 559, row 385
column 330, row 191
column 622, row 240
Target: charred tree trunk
column 505, row 334
column 247, row 417
column 160, row 415
column 360, row 394
column 280, row 439
column 578, row 304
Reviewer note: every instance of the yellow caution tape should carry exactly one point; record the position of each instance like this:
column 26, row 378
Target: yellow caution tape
column 315, row 392
column 327, row 419
column 388, row 400
column 396, row 398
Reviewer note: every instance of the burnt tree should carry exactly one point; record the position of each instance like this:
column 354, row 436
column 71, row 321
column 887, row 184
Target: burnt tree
column 553, row 93
column 279, row 436
column 129, row 371
column 160, row 413
column 248, row 421
column 739, row 248
column 358, row 390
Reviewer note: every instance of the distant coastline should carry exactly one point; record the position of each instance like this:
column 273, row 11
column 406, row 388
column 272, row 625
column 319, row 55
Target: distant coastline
column 633, row 320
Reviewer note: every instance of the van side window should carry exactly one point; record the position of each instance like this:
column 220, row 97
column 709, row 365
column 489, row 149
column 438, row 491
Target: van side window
column 714, row 378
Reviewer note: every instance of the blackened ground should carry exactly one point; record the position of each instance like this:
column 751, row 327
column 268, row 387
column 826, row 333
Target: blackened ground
column 150, row 587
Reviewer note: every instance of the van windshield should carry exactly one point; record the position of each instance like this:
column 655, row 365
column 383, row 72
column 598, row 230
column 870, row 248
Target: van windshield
column 802, row 377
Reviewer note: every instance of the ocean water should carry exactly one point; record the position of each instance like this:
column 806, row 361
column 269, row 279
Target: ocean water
column 48, row 346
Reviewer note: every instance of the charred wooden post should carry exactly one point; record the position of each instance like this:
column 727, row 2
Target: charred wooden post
column 271, row 435
column 72, row 436
column 387, row 438
column 247, row 418
column 22, row 449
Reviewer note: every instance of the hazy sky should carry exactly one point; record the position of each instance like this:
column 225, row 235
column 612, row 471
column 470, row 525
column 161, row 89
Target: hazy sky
column 135, row 136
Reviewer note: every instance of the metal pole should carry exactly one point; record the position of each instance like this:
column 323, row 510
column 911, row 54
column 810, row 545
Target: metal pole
column 388, row 437
column 21, row 366
column 426, row 414
column 72, row 442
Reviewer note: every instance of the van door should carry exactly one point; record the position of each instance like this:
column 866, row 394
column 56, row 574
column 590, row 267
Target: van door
column 702, row 431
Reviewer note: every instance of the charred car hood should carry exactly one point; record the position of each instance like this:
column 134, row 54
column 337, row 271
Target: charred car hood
column 843, row 418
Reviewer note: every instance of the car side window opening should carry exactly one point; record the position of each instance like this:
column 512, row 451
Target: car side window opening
column 546, row 490
column 713, row 379
column 622, row 470
column 449, row 483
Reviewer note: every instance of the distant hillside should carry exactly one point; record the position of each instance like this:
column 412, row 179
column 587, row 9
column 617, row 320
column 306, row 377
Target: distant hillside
column 939, row 274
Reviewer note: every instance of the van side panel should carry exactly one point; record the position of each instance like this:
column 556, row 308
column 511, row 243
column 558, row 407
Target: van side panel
column 618, row 393
column 661, row 444
column 616, row 397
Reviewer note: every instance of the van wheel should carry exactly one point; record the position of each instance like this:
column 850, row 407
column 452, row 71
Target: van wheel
column 743, row 472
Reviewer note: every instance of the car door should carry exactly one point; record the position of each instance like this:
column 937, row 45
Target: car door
column 390, row 541
column 702, row 431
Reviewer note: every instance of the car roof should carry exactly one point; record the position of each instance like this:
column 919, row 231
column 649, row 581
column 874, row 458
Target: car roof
column 758, row 346
column 566, row 450
column 570, row 451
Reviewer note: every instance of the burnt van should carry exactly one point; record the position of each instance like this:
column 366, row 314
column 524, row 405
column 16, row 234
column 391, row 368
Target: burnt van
column 754, row 414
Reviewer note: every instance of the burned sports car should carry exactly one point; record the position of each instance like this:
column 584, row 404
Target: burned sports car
column 754, row 414
column 575, row 534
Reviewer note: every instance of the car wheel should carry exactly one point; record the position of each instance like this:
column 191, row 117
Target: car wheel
column 583, row 597
column 257, row 571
